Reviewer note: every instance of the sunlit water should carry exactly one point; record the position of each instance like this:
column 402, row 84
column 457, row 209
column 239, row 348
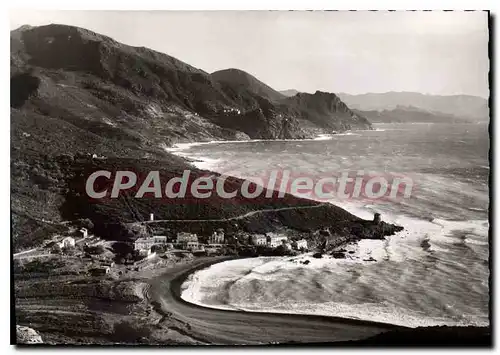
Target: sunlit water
column 434, row 272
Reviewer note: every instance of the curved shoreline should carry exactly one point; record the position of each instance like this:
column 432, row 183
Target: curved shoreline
column 219, row 326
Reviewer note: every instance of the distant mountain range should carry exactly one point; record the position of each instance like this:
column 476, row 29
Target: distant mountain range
column 403, row 114
column 291, row 92
column 414, row 107
column 461, row 106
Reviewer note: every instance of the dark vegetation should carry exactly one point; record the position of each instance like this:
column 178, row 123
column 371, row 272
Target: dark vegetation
column 22, row 86
column 77, row 93
column 60, row 194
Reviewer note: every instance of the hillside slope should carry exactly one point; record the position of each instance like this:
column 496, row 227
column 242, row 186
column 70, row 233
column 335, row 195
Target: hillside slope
column 325, row 110
column 238, row 77
column 77, row 94
column 139, row 92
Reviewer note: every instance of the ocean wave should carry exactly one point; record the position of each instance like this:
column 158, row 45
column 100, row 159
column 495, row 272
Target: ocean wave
column 431, row 273
column 178, row 147
column 205, row 163
column 285, row 285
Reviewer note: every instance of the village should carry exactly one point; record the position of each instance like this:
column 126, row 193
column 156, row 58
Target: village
column 96, row 256
column 79, row 252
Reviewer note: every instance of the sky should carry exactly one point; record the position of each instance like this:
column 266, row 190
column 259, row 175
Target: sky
column 432, row 52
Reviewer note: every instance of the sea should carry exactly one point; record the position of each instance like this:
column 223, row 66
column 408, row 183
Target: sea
column 434, row 272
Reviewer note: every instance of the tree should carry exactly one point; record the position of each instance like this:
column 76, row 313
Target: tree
column 281, row 250
column 87, row 223
column 56, row 248
column 94, row 250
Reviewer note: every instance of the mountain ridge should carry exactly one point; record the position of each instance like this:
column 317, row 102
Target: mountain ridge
column 84, row 62
column 461, row 106
column 240, row 77
column 77, row 95
column 289, row 92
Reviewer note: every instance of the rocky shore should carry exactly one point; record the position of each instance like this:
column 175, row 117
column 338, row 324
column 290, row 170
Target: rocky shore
column 26, row 335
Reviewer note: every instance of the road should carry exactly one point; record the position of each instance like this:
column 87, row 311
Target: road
column 227, row 327
column 235, row 217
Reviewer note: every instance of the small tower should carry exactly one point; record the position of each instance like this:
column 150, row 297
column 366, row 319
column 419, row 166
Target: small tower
column 151, row 217
column 376, row 218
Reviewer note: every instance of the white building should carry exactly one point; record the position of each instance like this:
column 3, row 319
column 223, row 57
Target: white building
column 160, row 239
column 67, row 242
column 147, row 243
column 184, row 237
column 259, row 239
column 217, row 237
column 191, row 245
column 144, row 243
column 274, row 240
column 84, row 232
column 301, row 244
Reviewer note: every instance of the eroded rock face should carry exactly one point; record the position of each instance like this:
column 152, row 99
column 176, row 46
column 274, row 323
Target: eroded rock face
column 92, row 76
column 26, row 335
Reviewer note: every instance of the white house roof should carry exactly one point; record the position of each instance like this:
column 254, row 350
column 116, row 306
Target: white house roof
column 143, row 240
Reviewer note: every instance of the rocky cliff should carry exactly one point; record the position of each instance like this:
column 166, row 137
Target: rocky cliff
column 75, row 93
column 87, row 79
column 325, row 110
column 26, row 335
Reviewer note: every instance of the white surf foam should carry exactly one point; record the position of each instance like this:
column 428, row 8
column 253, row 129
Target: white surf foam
column 269, row 269
column 323, row 137
column 177, row 147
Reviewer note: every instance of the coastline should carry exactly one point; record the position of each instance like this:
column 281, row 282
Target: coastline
column 216, row 326
column 440, row 230
column 176, row 147
column 233, row 327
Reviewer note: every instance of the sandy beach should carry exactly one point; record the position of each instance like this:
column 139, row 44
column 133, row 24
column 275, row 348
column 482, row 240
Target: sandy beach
column 213, row 326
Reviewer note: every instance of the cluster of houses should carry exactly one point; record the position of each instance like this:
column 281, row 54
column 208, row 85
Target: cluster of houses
column 274, row 240
column 190, row 242
column 69, row 242
column 184, row 240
